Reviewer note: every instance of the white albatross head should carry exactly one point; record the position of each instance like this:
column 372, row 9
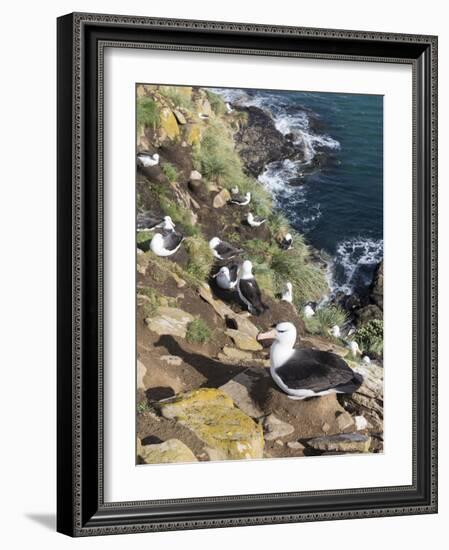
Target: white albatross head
column 246, row 270
column 248, row 196
column 283, row 334
column 288, row 237
column 156, row 157
column 214, row 242
column 224, row 271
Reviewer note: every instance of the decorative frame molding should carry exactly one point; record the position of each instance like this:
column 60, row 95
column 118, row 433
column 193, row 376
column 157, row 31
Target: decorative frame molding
column 81, row 42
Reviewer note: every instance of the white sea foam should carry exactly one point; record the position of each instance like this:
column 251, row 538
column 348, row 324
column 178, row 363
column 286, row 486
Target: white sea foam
column 352, row 258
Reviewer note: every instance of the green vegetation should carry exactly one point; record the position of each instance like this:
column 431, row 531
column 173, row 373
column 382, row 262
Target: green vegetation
column 170, row 171
column 179, row 214
column 201, row 257
column 149, row 299
column 277, row 266
column 370, row 337
column 142, row 407
column 147, row 113
column 216, row 102
column 176, row 96
column 324, row 319
column 198, row 332
column 217, row 160
column 143, row 240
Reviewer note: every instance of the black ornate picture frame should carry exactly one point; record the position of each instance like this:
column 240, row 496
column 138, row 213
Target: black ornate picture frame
column 81, row 509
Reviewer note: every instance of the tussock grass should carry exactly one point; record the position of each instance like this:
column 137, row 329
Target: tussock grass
column 179, row 214
column 279, row 266
column 170, row 171
column 147, row 113
column 324, row 319
column 216, row 102
column 218, row 161
column 370, row 337
column 198, row 332
column 201, row 257
column 174, row 95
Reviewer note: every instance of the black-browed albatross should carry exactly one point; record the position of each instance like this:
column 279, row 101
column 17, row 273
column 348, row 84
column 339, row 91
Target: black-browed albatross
column 303, row 373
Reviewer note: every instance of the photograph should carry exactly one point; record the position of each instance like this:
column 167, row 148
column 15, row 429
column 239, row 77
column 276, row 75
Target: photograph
column 259, row 273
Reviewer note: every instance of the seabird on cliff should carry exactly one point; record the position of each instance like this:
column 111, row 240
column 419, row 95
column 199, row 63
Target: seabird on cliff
column 255, row 221
column 241, row 200
column 308, row 311
column 147, row 222
column 335, row 331
column 287, row 293
column 249, row 290
column 303, row 373
column 227, row 277
column 203, row 116
column 354, row 348
column 146, row 159
column 223, row 250
column 286, row 242
column 229, row 108
column 166, row 243
column 366, row 360
column 235, row 190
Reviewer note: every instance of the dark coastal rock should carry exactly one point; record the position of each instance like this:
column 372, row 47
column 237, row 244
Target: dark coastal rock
column 377, row 288
column 347, row 443
column 260, row 142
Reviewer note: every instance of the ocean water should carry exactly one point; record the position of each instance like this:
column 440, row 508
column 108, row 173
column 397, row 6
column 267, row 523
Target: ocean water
column 339, row 205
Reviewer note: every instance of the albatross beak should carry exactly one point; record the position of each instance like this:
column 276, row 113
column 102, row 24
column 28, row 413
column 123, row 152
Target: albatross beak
column 270, row 335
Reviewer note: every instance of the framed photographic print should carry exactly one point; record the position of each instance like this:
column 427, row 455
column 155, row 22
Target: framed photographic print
column 246, row 274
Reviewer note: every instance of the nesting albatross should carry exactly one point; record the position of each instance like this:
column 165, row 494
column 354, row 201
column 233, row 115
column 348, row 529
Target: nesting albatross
column 303, row 373
column 147, row 222
column 223, row 250
column 166, row 243
column 249, row 291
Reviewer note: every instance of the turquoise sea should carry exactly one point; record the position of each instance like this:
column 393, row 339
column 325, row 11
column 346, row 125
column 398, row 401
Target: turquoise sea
column 338, row 205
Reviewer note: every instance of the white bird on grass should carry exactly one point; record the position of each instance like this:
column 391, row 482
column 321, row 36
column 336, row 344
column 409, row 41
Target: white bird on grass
column 235, row 190
column 146, row 159
column 354, row 348
column 366, row 360
column 287, row 293
column 229, row 108
column 227, row 277
column 308, row 311
column 249, row 290
column 287, row 242
column 223, row 250
column 241, row 200
column 255, row 221
column 335, row 331
column 166, row 244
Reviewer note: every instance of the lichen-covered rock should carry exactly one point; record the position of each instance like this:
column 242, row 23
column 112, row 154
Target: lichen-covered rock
column 180, row 118
column 192, row 133
column 243, row 341
column 211, row 415
column 169, row 320
column 168, row 123
column 169, row 451
column 345, row 443
column 221, row 198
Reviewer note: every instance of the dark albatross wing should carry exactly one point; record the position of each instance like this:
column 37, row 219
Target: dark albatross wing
column 171, row 239
column 145, row 220
column 318, row 371
column 226, row 250
column 250, row 291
